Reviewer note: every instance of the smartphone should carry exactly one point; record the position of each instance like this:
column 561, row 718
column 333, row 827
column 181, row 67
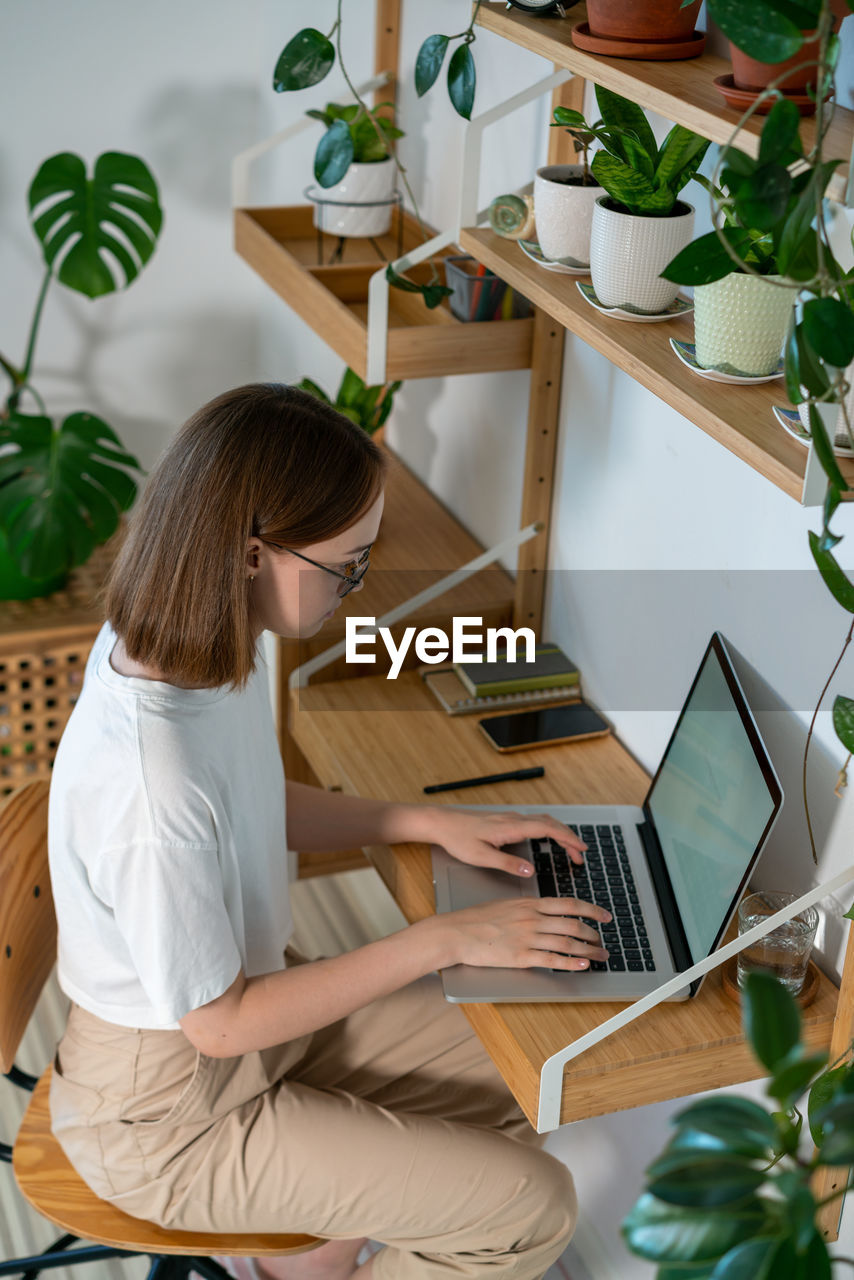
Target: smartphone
column 544, row 727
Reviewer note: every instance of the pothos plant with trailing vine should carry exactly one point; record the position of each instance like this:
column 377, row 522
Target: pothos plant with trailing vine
column 777, row 198
column 309, row 56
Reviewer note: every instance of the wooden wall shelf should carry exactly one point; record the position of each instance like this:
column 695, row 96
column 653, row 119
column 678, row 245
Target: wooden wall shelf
column 281, row 245
column 674, row 1049
column 683, row 92
column 739, row 417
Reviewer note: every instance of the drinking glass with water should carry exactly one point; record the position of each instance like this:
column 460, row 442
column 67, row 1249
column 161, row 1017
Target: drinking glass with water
column 785, row 951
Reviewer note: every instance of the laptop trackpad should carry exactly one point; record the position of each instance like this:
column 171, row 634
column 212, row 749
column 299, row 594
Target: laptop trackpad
column 470, row 886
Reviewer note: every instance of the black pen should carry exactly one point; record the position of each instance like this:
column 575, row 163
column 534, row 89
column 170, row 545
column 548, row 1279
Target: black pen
column 515, row 776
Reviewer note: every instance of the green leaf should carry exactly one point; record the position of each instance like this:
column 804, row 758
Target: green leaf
column 702, row 1179
column 621, row 113
column 843, row 721
column 794, row 1073
column 663, row 1232
column 757, row 28
column 78, row 230
column 745, row 1127
column 385, row 405
column 304, row 61
column 351, row 388
column 824, row 449
column 681, row 153
column 706, row 260
column 628, row 187
column 748, row 1261
column 461, row 81
column 804, row 371
column 800, row 217
column 762, row 199
column 772, row 1020
column 70, row 489
column 829, row 326
column 780, row 134
column 431, row 293
column 334, row 154
column 428, row 64
column 834, row 579
column 313, row 389
column 566, row 116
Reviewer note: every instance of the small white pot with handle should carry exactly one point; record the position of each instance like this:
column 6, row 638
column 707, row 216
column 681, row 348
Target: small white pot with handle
column 740, row 323
column 628, row 253
column 361, row 184
column 563, row 212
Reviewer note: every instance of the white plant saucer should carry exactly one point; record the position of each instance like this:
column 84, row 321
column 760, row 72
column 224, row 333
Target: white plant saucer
column 686, row 352
column 679, row 307
column 790, row 421
column 568, row 266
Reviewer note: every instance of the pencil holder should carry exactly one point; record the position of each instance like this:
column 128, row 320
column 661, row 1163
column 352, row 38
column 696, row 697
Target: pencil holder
column 475, row 297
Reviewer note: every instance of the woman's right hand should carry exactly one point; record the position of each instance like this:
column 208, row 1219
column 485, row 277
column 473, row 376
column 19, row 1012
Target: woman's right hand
column 519, row 933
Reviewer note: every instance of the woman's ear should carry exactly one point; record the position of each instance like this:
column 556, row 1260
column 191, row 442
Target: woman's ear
column 253, row 556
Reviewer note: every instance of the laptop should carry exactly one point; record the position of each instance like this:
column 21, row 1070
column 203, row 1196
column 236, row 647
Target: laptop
column 670, row 872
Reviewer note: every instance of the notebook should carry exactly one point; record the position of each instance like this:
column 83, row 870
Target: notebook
column 671, row 871
column 450, row 692
column 550, row 669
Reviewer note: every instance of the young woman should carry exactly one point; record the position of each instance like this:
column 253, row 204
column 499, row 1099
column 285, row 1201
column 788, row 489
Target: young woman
column 209, row 1079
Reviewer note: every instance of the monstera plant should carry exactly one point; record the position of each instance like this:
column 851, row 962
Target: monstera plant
column 64, row 485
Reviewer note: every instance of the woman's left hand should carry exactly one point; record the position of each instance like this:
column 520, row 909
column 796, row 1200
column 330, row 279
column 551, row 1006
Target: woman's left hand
column 476, row 838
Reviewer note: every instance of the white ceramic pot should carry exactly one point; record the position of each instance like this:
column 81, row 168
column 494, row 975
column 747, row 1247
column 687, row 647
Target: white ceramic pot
column 740, row 323
column 628, row 252
column 361, row 182
column 564, row 213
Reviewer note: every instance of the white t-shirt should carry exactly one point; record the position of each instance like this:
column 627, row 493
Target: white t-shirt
column 167, row 843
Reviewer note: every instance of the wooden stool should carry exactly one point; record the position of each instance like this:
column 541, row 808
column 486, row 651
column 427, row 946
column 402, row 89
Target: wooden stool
column 44, row 1174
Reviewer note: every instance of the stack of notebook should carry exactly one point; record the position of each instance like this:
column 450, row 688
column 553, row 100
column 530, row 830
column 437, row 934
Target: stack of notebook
column 466, row 687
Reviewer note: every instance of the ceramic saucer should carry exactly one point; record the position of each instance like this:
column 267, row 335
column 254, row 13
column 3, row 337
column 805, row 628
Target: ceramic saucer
column 679, row 307
column 653, row 50
column 742, row 98
column 686, row 353
column 567, row 265
column 790, row 421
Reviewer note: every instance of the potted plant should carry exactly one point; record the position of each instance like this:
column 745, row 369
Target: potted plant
column 730, row 1197
column 640, row 223
column 368, row 407
column 654, row 29
column 565, row 194
column 742, row 303
column 354, row 165
column 793, row 74
column 64, row 486
column 310, row 55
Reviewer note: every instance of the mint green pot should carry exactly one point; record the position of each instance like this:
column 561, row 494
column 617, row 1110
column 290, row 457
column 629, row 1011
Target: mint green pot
column 740, row 323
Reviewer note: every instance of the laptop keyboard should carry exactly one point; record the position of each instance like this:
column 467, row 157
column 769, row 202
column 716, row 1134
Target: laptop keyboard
column 604, row 878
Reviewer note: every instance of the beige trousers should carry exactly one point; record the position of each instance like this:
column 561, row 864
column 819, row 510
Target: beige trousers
column 392, row 1123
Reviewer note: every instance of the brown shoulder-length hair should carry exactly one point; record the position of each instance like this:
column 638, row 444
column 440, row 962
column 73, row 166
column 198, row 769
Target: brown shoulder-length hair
column 262, row 460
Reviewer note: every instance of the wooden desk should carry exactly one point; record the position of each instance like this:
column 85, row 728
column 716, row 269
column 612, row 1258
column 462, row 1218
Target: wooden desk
column 386, row 739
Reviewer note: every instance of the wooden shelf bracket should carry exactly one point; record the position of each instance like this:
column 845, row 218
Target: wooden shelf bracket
column 551, row 1076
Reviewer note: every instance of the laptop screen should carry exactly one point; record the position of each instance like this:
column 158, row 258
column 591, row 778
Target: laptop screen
column 712, row 800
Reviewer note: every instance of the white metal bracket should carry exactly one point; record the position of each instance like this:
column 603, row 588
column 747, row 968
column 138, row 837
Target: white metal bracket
column 815, row 480
column 242, row 162
column 299, row 677
column 551, row 1075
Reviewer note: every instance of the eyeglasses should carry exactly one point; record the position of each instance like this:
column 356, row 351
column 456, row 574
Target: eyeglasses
column 352, row 574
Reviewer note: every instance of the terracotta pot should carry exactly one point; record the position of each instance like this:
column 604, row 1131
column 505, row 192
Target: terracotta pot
column 642, row 19
column 747, row 73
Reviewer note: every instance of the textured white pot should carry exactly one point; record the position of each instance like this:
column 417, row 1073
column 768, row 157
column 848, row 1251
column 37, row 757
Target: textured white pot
column 627, row 254
column 361, row 182
column 740, row 323
column 564, row 214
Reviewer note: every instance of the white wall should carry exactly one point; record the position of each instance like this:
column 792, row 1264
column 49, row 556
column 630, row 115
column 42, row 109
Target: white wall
column 659, row 535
